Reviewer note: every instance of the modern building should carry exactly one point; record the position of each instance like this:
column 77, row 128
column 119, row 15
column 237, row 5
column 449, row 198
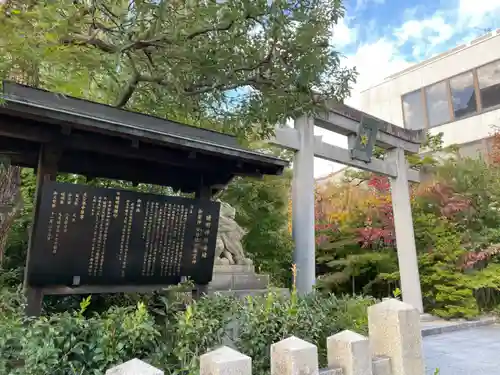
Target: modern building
column 456, row 93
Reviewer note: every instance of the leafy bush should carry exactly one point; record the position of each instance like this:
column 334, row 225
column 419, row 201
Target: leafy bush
column 262, row 209
column 456, row 218
column 270, row 319
column 171, row 338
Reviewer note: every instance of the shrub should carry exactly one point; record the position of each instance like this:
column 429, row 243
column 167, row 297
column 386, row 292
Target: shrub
column 262, row 209
column 456, row 220
column 171, row 338
column 269, row 319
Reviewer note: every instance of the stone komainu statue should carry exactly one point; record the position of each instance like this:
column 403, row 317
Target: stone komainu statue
column 229, row 249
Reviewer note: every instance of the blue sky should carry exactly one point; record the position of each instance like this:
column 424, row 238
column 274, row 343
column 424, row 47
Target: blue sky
column 382, row 37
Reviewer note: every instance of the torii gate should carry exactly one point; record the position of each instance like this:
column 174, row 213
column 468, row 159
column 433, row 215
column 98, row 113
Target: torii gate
column 363, row 132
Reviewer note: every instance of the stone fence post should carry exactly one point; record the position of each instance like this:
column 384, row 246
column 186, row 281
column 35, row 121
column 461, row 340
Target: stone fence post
column 134, row 367
column 294, row 356
column 395, row 333
column 393, row 348
column 225, row 361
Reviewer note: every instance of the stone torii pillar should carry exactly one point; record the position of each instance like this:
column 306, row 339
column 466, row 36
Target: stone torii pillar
column 303, row 206
column 356, row 126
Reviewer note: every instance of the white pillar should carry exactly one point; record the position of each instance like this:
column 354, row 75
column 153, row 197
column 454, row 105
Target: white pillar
column 303, row 207
column 405, row 238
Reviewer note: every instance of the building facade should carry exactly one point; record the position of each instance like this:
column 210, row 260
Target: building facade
column 456, row 93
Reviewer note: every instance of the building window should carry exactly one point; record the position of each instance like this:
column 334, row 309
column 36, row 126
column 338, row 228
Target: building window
column 413, row 110
column 489, row 84
column 438, row 109
column 463, row 95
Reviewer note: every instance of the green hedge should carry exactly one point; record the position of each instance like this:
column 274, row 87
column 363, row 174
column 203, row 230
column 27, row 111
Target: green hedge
column 172, row 337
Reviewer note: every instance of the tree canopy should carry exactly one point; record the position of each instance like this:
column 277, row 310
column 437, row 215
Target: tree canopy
column 240, row 66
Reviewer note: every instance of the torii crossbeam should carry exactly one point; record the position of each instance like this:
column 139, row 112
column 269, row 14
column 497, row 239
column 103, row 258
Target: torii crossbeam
column 345, row 120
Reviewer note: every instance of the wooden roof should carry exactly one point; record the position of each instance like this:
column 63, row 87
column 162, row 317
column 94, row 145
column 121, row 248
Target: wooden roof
column 103, row 141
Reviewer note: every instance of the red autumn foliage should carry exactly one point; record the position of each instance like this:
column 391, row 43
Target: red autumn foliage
column 379, row 229
column 473, row 258
column 444, row 199
column 494, row 154
column 322, row 234
column 379, row 183
column 383, row 231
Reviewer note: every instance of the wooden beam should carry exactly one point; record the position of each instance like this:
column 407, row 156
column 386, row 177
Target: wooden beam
column 13, row 127
column 285, row 137
column 204, row 191
column 133, row 170
column 14, row 130
column 144, row 151
column 117, row 146
column 98, row 289
column 195, row 139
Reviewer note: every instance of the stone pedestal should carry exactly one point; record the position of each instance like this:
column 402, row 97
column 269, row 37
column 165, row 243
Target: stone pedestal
column 238, row 280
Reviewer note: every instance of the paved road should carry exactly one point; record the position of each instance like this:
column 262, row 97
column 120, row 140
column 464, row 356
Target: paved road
column 474, row 351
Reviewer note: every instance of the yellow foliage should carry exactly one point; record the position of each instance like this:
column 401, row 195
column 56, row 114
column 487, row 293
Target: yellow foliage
column 345, row 203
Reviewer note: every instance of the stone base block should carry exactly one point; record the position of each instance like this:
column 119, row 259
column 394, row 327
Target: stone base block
column 381, row 366
column 250, row 292
column 223, row 279
column 331, row 371
column 233, row 269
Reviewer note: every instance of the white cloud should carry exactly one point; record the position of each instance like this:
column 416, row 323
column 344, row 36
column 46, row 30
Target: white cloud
column 378, row 59
column 473, row 13
column 342, row 34
column 374, row 62
column 434, row 30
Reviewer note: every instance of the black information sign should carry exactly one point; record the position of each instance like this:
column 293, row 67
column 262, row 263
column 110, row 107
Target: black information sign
column 96, row 236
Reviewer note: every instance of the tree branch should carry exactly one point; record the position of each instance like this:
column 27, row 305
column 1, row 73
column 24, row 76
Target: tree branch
column 131, row 85
column 127, row 92
column 164, row 38
column 254, row 79
column 82, row 40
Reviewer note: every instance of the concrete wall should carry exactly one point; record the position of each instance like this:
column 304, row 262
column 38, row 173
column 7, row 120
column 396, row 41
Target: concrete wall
column 384, row 99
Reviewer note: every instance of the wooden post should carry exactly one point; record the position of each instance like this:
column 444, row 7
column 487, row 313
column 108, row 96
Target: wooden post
column 205, row 193
column 48, row 157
